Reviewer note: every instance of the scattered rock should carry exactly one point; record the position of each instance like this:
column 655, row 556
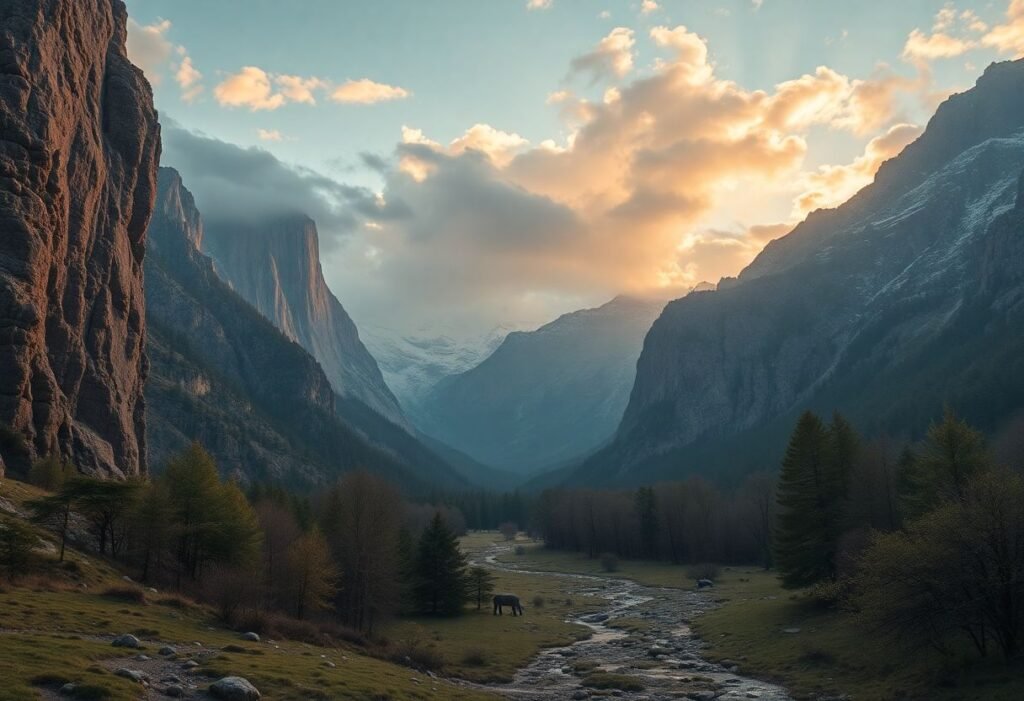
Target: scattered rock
column 791, row 631
column 190, row 664
column 126, row 640
column 234, row 689
column 68, row 689
column 579, row 695
column 133, row 674
column 174, row 691
column 251, row 637
column 141, row 658
column 167, row 651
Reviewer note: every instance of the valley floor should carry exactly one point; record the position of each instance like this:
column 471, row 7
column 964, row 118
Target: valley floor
column 758, row 628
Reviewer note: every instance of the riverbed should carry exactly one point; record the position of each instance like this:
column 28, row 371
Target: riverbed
column 655, row 647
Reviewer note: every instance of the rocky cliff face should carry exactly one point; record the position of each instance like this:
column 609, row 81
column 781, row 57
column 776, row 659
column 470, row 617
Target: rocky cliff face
column 276, row 267
column 903, row 299
column 224, row 375
column 544, row 396
column 78, row 157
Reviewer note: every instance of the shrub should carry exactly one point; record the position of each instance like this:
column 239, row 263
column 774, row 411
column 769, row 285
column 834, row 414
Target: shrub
column 475, row 657
column 609, row 562
column 133, row 595
column 830, row 595
column 411, row 652
column 538, row 602
column 704, row 570
column 17, row 540
column 509, row 530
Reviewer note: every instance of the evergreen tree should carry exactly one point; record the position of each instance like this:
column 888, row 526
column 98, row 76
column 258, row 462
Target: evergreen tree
column 951, row 456
column 805, row 540
column 481, row 585
column 442, row 586
column 646, row 508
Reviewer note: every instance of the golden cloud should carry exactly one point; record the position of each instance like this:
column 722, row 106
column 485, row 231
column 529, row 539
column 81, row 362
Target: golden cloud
column 367, row 92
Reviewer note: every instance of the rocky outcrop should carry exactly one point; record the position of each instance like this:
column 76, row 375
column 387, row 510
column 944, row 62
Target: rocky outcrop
column 903, row 299
column 544, row 396
column 78, row 156
column 224, row 375
column 276, row 267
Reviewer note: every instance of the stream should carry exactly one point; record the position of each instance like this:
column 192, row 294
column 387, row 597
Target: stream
column 665, row 656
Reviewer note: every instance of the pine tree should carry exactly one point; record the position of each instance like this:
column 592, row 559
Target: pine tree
column 804, row 546
column 441, row 581
column 952, row 454
column 481, row 585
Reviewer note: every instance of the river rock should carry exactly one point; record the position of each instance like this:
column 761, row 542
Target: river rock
column 234, row 689
column 79, row 157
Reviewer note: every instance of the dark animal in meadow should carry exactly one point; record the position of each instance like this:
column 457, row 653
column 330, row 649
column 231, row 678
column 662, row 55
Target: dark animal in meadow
column 704, row 583
column 512, row 600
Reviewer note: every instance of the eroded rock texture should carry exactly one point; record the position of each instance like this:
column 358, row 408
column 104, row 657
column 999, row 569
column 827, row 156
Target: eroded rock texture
column 79, row 145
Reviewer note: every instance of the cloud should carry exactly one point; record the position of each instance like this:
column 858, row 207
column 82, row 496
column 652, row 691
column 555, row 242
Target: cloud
column 189, row 80
column 149, row 48
column 1008, row 37
column 269, row 135
column 235, row 185
column 251, row 87
column 957, row 32
column 539, row 4
column 831, row 185
column 611, row 58
column 295, row 88
column 649, row 6
column 367, row 92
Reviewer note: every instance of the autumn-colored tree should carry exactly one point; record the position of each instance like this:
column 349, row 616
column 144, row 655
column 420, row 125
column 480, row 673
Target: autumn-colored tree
column 311, row 574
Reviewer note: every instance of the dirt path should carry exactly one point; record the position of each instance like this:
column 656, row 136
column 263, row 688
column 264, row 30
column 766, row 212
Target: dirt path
column 662, row 654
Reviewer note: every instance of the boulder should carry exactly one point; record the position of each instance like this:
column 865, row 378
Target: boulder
column 251, row 637
column 234, row 689
column 126, row 640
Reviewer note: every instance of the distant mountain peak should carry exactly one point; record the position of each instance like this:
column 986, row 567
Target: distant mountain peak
column 275, row 265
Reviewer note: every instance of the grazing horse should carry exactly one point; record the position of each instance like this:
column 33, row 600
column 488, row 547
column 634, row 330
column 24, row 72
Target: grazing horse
column 507, row 600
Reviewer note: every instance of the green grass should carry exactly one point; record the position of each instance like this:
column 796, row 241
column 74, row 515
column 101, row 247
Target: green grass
column 834, row 653
column 55, row 628
column 608, row 680
column 504, row 643
column 648, row 573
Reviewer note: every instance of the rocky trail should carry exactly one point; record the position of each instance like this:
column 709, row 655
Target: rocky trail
column 662, row 654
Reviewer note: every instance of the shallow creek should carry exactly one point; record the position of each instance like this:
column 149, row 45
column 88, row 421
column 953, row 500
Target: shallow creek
column 665, row 656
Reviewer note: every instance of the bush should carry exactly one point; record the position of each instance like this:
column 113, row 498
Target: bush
column 475, row 657
column 17, row 540
column 830, row 595
column 704, row 570
column 609, row 562
column 411, row 652
column 133, row 595
column 50, row 473
column 538, row 602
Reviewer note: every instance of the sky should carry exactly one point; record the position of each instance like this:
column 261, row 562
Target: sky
column 481, row 163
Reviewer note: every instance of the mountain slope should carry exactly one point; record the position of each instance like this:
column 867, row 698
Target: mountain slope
column 276, row 267
column 547, row 395
column 413, row 364
column 885, row 308
column 78, row 154
column 222, row 374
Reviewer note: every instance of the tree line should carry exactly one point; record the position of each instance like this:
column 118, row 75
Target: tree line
column 357, row 551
